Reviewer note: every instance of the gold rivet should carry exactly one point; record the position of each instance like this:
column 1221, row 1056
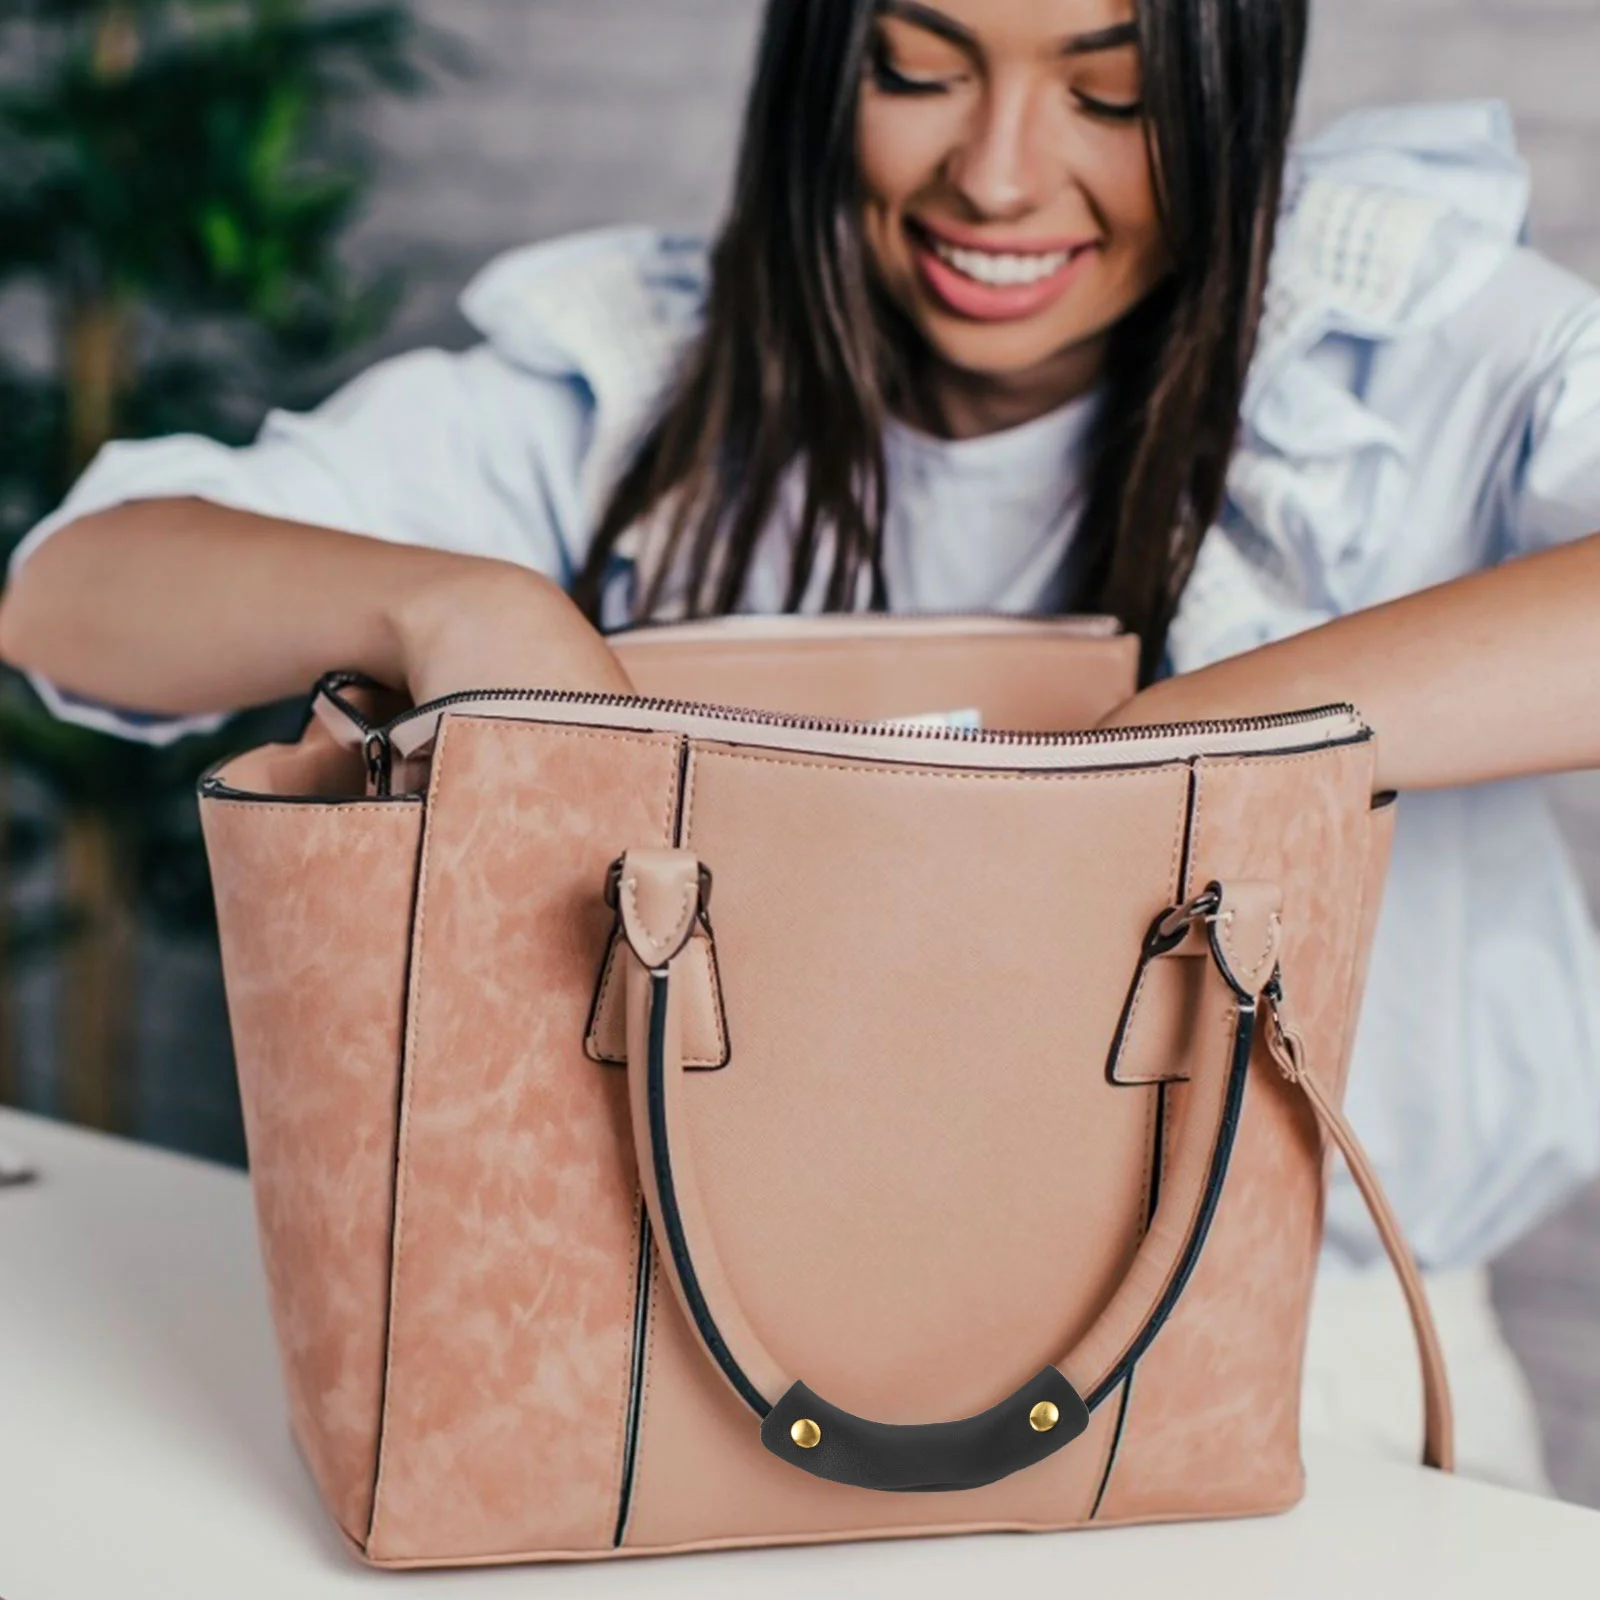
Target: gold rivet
column 806, row 1434
column 1044, row 1416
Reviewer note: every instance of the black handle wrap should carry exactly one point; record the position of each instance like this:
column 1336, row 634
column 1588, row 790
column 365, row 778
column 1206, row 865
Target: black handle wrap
column 1042, row 1416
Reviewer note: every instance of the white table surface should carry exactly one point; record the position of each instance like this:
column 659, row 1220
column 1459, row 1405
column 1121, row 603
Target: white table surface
column 144, row 1452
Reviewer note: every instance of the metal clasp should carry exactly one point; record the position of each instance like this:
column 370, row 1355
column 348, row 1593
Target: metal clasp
column 375, row 753
column 1283, row 1042
column 1170, row 930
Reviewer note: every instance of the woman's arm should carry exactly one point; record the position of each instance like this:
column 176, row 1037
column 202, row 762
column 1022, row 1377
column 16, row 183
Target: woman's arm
column 177, row 606
column 1490, row 676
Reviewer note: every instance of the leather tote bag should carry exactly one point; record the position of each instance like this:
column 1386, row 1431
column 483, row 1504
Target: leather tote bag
column 751, row 1112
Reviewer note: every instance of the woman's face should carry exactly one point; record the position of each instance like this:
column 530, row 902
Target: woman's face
column 1010, row 206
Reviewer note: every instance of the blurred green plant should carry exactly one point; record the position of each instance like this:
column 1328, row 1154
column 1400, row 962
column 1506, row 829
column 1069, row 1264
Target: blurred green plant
column 176, row 180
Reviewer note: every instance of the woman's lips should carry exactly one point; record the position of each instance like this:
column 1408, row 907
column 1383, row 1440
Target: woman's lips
column 994, row 302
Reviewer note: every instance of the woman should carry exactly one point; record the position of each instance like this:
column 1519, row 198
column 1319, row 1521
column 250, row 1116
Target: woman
column 984, row 330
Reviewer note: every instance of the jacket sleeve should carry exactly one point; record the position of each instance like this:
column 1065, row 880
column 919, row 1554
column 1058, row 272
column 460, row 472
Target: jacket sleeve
column 1424, row 398
column 1553, row 494
column 464, row 452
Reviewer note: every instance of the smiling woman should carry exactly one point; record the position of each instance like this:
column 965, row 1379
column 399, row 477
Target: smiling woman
column 1008, row 197
column 951, row 214
column 1018, row 306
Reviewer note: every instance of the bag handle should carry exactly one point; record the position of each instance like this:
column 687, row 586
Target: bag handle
column 1288, row 1051
column 661, row 896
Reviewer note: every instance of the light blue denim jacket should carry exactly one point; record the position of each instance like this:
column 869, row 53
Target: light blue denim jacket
column 1425, row 402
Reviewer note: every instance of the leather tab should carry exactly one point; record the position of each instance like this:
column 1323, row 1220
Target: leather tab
column 1247, row 933
column 705, row 1020
column 658, row 896
column 1239, row 925
column 1162, row 1017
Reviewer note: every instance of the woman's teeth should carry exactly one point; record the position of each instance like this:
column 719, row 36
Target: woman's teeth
column 999, row 271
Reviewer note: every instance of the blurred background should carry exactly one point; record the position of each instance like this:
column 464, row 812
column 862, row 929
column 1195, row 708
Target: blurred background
column 208, row 207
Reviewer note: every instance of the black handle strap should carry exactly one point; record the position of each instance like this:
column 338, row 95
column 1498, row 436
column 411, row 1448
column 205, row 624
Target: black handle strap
column 660, row 899
column 1042, row 1416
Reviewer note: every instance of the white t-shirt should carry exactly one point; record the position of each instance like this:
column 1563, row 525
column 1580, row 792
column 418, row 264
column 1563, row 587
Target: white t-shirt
column 982, row 524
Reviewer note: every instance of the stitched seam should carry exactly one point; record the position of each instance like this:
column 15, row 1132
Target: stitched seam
column 1180, row 827
column 624, row 1387
column 409, row 1054
column 503, row 729
column 690, row 792
column 608, row 1525
column 419, row 950
column 400, row 1090
column 1171, row 1121
column 647, row 1234
column 670, row 805
column 1149, row 1164
column 716, row 1007
column 1274, row 935
column 1128, row 1032
column 1174, row 868
column 690, row 795
column 1247, row 971
column 649, row 1379
column 1225, row 763
column 627, row 1367
column 607, row 978
column 1351, row 999
column 630, row 890
column 726, row 753
column 403, row 810
column 1197, row 776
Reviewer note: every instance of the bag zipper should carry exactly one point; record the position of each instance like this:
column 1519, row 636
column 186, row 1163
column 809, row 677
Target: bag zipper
column 733, row 628
column 843, row 726
column 383, row 744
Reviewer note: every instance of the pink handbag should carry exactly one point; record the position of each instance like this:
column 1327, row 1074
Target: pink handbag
column 739, row 1114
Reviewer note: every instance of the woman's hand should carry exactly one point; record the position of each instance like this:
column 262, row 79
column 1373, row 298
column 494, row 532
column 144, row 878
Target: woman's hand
column 1495, row 675
column 181, row 606
column 491, row 626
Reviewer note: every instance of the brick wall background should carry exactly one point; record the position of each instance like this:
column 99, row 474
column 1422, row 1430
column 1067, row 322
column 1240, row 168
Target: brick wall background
column 1539, row 56
column 590, row 111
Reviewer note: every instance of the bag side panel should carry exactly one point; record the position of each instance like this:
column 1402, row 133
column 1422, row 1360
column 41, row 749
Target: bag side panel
column 1380, row 847
column 314, row 909
column 517, row 1220
column 1213, row 1425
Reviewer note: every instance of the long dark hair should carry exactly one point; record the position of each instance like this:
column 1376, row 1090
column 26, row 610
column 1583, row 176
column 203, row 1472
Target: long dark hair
column 797, row 361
